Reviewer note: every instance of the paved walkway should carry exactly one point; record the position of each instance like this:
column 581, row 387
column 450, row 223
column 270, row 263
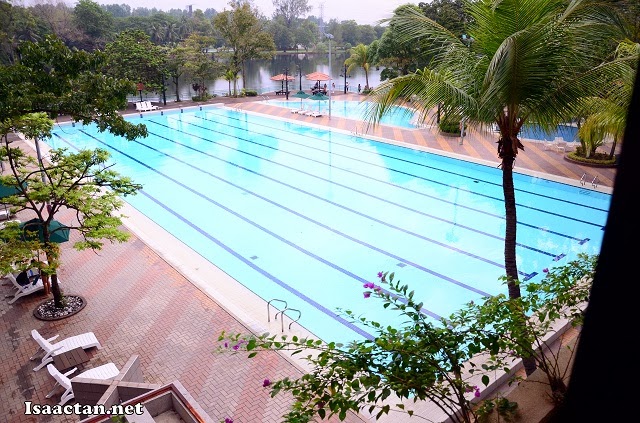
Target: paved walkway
column 139, row 302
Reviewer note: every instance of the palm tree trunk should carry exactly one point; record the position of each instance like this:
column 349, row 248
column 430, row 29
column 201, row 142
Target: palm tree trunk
column 505, row 148
column 613, row 147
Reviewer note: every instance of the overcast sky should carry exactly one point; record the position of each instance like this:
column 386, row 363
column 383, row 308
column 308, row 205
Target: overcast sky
column 361, row 11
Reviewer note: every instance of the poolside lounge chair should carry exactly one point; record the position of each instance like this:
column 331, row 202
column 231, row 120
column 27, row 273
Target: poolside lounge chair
column 85, row 340
column 33, row 284
column 150, row 106
column 106, row 371
column 141, row 106
column 314, row 114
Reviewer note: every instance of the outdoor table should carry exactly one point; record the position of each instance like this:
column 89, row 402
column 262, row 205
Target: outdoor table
column 70, row 358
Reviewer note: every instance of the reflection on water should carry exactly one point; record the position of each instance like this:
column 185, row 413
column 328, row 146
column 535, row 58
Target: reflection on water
column 259, row 72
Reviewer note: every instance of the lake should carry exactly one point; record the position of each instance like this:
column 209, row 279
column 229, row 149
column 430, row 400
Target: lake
column 259, row 72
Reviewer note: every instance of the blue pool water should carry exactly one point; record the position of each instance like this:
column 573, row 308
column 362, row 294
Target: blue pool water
column 309, row 216
column 398, row 115
column 567, row 132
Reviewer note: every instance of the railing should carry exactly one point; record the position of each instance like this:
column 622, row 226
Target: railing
column 594, row 181
column 269, row 305
column 282, row 313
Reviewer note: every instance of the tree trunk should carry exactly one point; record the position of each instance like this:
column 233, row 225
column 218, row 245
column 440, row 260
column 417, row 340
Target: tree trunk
column 57, row 292
column 175, row 80
column 507, row 150
column 613, row 147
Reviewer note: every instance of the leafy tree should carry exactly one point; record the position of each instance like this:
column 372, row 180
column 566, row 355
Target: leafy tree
column 516, row 71
column 306, row 34
column 133, row 56
column 59, row 21
column 17, row 24
column 290, row 10
column 81, row 181
column 200, row 64
column 244, row 35
column 176, row 60
column 396, row 52
column 359, row 58
column 283, row 37
column 444, row 363
column 350, row 32
column 118, row 10
column 93, row 21
column 448, row 13
column 50, row 80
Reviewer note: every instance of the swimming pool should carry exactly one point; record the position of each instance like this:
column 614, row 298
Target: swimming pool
column 568, row 133
column 398, row 115
column 308, row 215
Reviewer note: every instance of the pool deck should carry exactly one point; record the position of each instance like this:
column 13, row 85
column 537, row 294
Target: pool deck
column 152, row 296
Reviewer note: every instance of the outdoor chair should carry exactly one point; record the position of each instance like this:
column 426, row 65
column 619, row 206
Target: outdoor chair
column 104, row 372
column 85, row 340
column 32, row 284
column 149, row 106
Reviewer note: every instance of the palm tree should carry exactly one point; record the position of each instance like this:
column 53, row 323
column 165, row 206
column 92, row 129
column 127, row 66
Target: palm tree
column 229, row 76
column 528, row 62
column 609, row 114
column 359, row 58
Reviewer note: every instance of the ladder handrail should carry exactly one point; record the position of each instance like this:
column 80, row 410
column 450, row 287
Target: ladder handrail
column 268, row 310
column 283, row 314
column 582, row 181
column 593, row 182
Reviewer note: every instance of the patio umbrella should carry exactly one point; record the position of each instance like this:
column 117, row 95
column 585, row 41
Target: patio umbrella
column 301, row 95
column 318, row 76
column 58, row 232
column 282, row 77
column 319, row 97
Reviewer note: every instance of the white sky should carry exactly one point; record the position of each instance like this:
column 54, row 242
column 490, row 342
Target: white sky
column 361, row 11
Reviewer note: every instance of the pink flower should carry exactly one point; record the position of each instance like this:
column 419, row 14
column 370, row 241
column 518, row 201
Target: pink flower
column 228, row 420
column 545, row 270
column 477, row 393
column 366, row 294
column 266, row 383
column 226, row 345
column 368, row 285
column 377, row 289
column 379, row 275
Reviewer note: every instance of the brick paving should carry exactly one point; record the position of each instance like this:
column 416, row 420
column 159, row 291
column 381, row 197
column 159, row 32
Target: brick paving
column 137, row 303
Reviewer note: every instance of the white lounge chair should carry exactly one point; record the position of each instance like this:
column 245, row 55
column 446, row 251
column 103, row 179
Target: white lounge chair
column 106, row 371
column 35, row 284
column 150, row 106
column 141, row 106
column 85, row 340
column 314, row 114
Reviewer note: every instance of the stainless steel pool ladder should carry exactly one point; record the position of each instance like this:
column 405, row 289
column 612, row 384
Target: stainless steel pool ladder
column 282, row 312
column 594, row 181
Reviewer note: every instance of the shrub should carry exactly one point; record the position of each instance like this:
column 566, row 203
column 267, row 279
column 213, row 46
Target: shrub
column 250, row 93
column 450, row 126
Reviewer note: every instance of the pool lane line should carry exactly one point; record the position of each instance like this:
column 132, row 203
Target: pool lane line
column 436, row 242
column 262, row 228
column 498, row 199
column 307, row 218
column 403, row 160
column 580, row 240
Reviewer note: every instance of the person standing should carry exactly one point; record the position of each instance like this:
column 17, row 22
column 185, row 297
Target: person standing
column 333, row 88
column 347, row 86
column 359, row 88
